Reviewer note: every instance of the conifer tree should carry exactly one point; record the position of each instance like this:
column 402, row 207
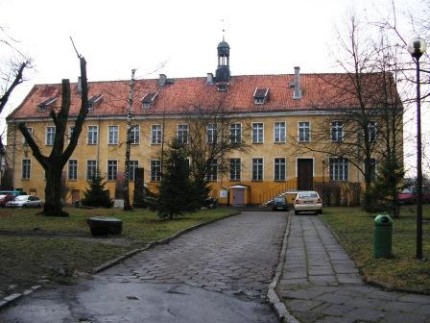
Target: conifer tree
column 96, row 195
column 176, row 189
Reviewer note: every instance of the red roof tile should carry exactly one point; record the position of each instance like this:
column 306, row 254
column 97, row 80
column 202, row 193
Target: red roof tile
column 324, row 91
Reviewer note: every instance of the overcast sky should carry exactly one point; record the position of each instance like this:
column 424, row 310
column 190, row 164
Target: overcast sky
column 178, row 37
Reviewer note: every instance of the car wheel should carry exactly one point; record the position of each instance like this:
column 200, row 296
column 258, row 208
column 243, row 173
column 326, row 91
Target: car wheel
column 296, row 212
column 320, row 212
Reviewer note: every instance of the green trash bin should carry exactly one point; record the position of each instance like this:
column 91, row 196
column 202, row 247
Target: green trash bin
column 382, row 237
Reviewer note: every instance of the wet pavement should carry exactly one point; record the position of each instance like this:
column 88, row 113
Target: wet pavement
column 229, row 271
column 220, row 272
column 320, row 283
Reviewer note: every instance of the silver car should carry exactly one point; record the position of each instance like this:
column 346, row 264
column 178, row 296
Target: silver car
column 23, row 201
column 308, row 201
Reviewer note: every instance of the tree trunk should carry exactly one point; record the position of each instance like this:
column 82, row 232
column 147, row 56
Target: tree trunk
column 53, row 205
column 127, row 205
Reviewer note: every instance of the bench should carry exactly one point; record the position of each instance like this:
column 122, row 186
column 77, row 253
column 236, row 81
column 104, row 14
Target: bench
column 101, row 226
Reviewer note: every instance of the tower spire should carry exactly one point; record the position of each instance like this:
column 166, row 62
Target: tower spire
column 222, row 74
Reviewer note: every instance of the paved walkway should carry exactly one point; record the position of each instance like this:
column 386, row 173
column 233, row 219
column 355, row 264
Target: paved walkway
column 220, row 272
column 320, row 283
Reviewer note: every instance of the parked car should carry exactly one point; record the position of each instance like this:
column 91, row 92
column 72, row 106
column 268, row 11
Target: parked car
column 406, row 197
column 279, row 203
column 308, row 201
column 23, row 201
column 12, row 192
column 4, row 198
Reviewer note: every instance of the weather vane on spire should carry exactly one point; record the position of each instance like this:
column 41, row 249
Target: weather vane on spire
column 223, row 28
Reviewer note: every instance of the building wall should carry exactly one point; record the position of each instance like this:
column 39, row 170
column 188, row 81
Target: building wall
column 256, row 191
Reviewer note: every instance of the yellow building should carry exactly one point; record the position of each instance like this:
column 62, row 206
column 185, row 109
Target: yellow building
column 281, row 119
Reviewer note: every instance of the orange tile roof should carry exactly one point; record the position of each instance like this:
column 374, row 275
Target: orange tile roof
column 323, row 91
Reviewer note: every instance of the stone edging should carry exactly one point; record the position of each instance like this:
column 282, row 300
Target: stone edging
column 277, row 305
column 7, row 300
column 15, row 296
column 372, row 282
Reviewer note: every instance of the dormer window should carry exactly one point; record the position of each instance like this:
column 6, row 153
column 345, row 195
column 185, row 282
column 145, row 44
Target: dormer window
column 148, row 99
column 43, row 106
column 222, row 87
column 261, row 95
column 94, row 101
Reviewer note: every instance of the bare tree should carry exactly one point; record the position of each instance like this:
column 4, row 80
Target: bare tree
column 54, row 163
column 126, row 193
column 13, row 74
column 210, row 140
column 418, row 26
column 371, row 130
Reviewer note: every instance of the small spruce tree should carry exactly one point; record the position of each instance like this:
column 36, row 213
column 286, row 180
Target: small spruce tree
column 386, row 185
column 176, row 189
column 96, row 195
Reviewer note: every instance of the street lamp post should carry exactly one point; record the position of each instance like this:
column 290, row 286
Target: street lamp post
column 417, row 48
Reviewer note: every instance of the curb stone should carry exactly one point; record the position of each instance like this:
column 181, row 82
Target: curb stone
column 376, row 283
column 157, row 242
column 8, row 299
column 275, row 302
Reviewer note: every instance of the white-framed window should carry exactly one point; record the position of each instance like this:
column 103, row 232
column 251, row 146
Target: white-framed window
column 155, row 170
column 182, row 133
column 134, row 134
column 91, row 169
column 113, row 135
column 26, row 169
column 235, row 169
column 93, row 135
column 279, row 132
column 73, row 170
column 213, row 171
column 211, row 134
column 304, row 131
column 156, row 134
column 112, row 170
column 50, row 136
column 280, row 167
column 336, row 130
column 257, row 169
column 236, row 133
column 372, row 130
column 257, row 133
column 338, row 169
column 132, row 166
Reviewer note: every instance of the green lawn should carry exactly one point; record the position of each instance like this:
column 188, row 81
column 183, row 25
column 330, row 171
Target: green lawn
column 355, row 230
column 34, row 247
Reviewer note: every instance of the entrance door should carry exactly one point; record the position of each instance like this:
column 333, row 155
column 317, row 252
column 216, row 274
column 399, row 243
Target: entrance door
column 305, row 174
column 238, row 196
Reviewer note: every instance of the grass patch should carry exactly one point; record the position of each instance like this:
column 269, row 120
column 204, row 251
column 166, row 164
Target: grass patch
column 355, row 229
column 34, row 247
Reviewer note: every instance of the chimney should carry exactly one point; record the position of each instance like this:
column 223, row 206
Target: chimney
column 162, row 80
column 297, row 94
column 209, row 78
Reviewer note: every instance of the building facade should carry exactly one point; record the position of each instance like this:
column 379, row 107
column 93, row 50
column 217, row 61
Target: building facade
column 282, row 124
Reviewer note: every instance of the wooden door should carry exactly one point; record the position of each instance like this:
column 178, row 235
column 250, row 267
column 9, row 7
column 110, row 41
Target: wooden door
column 305, row 174
column 238, row 196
